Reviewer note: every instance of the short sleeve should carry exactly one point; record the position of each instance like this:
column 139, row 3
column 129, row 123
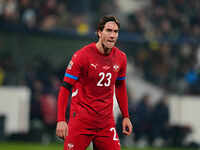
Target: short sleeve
column 74, row 68
column 122, row 72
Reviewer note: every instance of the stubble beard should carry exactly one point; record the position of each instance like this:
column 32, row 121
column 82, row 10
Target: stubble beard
column 106, row 49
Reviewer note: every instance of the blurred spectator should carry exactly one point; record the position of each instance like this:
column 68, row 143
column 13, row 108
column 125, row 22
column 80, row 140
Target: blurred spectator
column 192, row 79
column 29, row 18
column 11, row 13
column 137, row 22
column 8, row 68
column 160, row 122
column 143, row 120
column 48, row 15
column 37, row 89
column 63, row 16
column 48, row 106
column 28, row 14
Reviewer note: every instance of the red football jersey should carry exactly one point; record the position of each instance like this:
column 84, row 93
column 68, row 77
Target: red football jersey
column 93, row 76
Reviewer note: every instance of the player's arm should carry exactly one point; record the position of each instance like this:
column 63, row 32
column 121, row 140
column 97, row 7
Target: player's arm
column 71, row 76
column 122, row 98
column 63, row 96
column 64, row 93
column 121, row 95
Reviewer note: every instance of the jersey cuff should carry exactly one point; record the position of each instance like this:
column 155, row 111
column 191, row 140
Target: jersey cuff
column 126, row 116
column 121, row 78
column 59, row 120
column 67, row 85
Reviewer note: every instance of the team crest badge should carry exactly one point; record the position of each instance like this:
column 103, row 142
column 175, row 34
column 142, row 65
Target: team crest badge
column 70, row 65
column 116, row 68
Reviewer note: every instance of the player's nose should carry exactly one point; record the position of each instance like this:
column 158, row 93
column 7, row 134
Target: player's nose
column 112, row 34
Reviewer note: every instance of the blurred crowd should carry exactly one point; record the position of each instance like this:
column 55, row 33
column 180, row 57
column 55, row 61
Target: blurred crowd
column 170, row 57
column 54, row 14
column 151, row 122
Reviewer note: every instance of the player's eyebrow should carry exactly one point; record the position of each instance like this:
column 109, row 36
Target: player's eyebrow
column 108, row 29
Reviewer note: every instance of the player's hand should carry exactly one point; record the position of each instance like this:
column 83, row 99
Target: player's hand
column 127, row 126
column 62, row 129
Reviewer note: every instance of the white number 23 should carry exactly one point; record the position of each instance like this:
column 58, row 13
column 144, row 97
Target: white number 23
column 103, row 75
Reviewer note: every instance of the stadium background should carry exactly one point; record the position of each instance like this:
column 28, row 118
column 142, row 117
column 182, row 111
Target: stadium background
column 160, row 37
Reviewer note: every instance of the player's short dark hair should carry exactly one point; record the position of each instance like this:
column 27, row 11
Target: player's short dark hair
column 106, row 19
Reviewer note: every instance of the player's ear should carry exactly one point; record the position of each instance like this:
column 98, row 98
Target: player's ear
column 99, row 33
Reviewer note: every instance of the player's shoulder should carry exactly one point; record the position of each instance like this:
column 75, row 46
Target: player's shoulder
column 84, row 50
column 119, row 52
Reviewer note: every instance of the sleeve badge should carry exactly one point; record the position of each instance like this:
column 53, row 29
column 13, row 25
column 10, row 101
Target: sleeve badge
column 70, row 65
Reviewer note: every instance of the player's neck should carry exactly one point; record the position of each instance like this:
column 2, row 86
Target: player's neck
column 102, row 49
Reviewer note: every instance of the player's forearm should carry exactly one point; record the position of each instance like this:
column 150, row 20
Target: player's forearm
column 122, row 98
column 62, row 103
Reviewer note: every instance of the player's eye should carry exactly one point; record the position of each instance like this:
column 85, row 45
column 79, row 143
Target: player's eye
column 109, row 30
column 116, row 31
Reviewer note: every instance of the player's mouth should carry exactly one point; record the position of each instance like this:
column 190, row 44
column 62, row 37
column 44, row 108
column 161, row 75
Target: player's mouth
column 111, row 41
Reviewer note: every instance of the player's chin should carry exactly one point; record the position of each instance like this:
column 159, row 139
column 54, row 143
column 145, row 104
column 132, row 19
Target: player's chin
column 110, row 46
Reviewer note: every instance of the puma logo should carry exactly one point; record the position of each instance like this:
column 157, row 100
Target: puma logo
column 94, row 65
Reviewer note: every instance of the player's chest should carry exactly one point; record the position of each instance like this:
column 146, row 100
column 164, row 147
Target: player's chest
column 101, row 69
